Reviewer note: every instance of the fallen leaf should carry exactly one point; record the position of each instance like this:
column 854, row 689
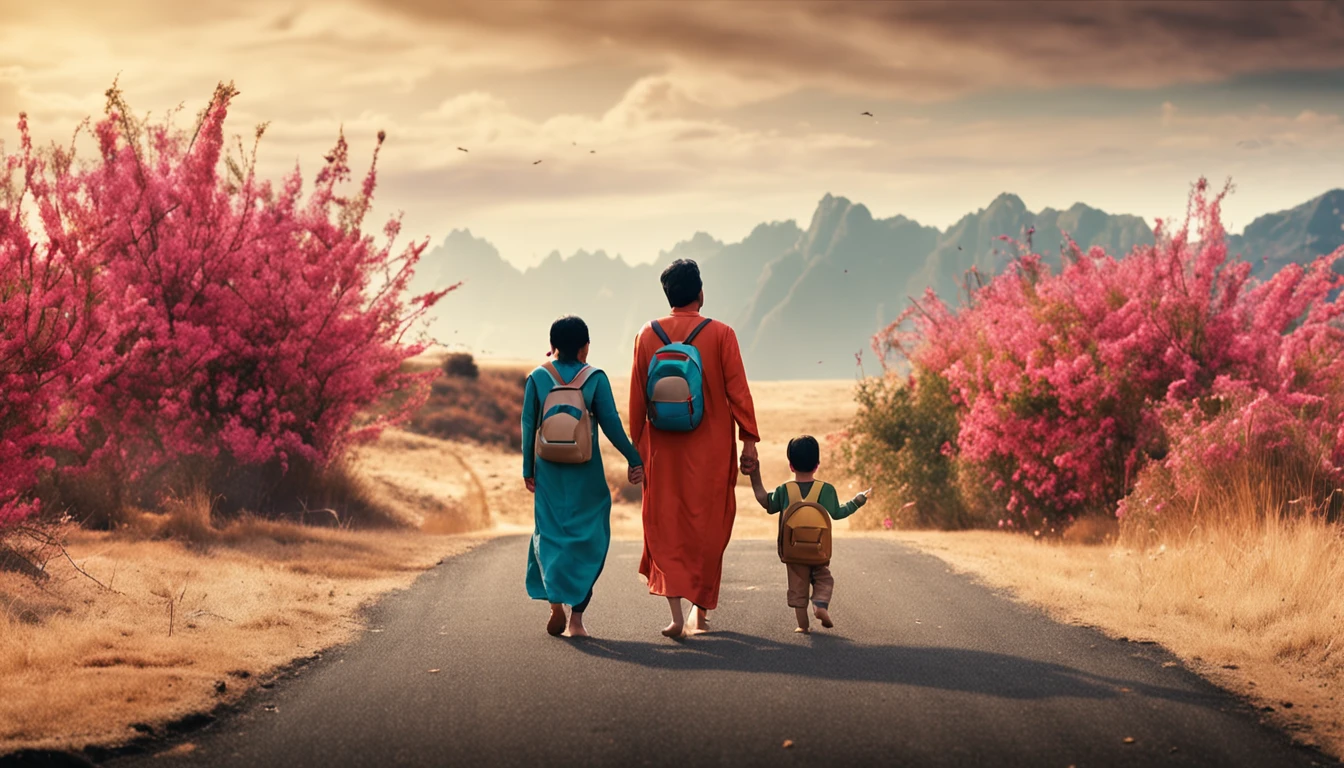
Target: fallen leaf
column 1129, row 739
column 435, row 671
column 788, row 743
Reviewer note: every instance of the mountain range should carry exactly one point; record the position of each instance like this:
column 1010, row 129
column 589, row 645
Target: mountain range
column 803, row 301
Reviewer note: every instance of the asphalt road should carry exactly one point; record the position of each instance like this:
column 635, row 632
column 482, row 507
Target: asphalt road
column 924, row 667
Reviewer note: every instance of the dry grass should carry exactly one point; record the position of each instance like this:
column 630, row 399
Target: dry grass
column 195, row 600
column 80, row 664
column 425, row 482
column 1251, row 602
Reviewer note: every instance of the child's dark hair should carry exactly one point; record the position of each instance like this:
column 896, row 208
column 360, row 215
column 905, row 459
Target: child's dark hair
column 568, row 335
column 804, row 453
column 681, row 282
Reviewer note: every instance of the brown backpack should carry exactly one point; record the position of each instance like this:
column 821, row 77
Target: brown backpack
column 805, row 528
column 565, row 429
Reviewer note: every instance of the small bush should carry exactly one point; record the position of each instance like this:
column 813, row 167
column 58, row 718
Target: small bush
column 461, row 365
column 902, row 438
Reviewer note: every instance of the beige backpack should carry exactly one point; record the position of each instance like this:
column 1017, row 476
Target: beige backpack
column 565, row 430
column 805, row 528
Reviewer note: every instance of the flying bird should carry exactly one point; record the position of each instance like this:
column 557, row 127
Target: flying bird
column 592, row 151
column 870, row 114
column 461, row 149
column 536, row 162
column 958, row 247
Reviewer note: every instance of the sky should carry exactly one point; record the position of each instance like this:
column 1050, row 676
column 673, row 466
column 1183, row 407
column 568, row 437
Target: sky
column 654, row 120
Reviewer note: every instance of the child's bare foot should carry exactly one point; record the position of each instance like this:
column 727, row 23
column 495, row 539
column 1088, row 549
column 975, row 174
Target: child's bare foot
column 556, row 625
column 802, row 630
column 801, row 613
column 576, row 628
column 824, row 616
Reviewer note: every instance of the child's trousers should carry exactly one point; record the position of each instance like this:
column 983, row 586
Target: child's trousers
column 816, row 577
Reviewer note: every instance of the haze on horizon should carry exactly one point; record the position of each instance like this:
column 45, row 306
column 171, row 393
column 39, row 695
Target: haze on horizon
column 655, row 120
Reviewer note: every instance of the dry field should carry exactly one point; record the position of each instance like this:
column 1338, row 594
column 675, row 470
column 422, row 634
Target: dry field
column 178, row 630
column 1253, row 605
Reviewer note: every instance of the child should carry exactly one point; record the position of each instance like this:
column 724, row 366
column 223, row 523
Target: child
column 804, row 457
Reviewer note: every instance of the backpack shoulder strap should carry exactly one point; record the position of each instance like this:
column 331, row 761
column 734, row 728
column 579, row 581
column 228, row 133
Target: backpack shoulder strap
column 549, row 367
column 662, row 335
column 795, row 493
column 582, row 376
column 691, row 339
column 814, row 494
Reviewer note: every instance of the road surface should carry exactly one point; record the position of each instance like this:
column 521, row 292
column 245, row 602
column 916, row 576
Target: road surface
column 924, row 667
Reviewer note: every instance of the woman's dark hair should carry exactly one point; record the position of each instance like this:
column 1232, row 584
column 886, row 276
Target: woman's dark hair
column 568, row 335
column 681, row 282
column 804, row 453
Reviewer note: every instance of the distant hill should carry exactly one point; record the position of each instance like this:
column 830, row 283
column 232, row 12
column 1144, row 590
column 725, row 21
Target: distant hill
column 802, row 301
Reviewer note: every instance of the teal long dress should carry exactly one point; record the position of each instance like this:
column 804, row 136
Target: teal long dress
column 572, row 506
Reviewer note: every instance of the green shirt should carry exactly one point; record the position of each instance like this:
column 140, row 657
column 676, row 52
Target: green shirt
column 829, row 500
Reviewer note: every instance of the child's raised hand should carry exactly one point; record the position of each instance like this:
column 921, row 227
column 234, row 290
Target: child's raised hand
column 868, row 494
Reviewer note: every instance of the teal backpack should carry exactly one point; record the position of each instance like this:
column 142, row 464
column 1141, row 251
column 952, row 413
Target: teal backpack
column 675, row 390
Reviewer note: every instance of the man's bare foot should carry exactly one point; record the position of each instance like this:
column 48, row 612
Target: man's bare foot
column 699, row 621
column 556, row 625
column 576, row 628
column 824, row 616
column 678, row 618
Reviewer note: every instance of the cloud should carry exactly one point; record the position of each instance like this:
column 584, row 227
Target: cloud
column 925, row 51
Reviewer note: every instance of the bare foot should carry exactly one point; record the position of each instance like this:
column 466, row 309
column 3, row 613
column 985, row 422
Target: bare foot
column 801, row 614
column 678, row 618
column 699, row 621
column 556, row 625
column 824, row 616
column 576, row 626
column 803, row 630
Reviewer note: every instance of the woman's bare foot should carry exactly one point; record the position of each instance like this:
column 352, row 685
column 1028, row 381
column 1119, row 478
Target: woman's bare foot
column 576, row 626
column 556, row 625
column 801, row 613
column 802, row 630
column 675, row 629
column 824, row 616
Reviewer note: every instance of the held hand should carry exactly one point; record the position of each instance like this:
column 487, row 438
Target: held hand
column 750, row 461
column 635, row 475
column 531, row 483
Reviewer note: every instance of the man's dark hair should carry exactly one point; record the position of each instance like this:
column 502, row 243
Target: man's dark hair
column 681, row 282
column 804, row 453
column 568, row 335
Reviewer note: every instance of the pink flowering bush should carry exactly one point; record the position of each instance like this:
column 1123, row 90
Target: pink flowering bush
column 51, row 323
column 1068, row 385
column 226, row 323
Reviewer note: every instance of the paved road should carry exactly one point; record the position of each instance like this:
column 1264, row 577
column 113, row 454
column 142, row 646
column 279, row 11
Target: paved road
column 924, row 667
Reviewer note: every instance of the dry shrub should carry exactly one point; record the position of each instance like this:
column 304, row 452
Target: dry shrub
column 187, row 518
column 486, row 409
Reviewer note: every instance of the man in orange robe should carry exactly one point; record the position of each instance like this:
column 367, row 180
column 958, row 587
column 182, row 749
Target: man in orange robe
column 690, row 477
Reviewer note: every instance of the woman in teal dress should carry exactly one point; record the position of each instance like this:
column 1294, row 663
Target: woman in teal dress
column 572, row 508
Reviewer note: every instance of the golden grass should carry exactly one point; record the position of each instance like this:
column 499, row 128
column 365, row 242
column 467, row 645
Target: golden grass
column 1251, row 602
column 80, row 664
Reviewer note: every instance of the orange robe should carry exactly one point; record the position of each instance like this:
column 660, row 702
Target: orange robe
column 690, row 499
